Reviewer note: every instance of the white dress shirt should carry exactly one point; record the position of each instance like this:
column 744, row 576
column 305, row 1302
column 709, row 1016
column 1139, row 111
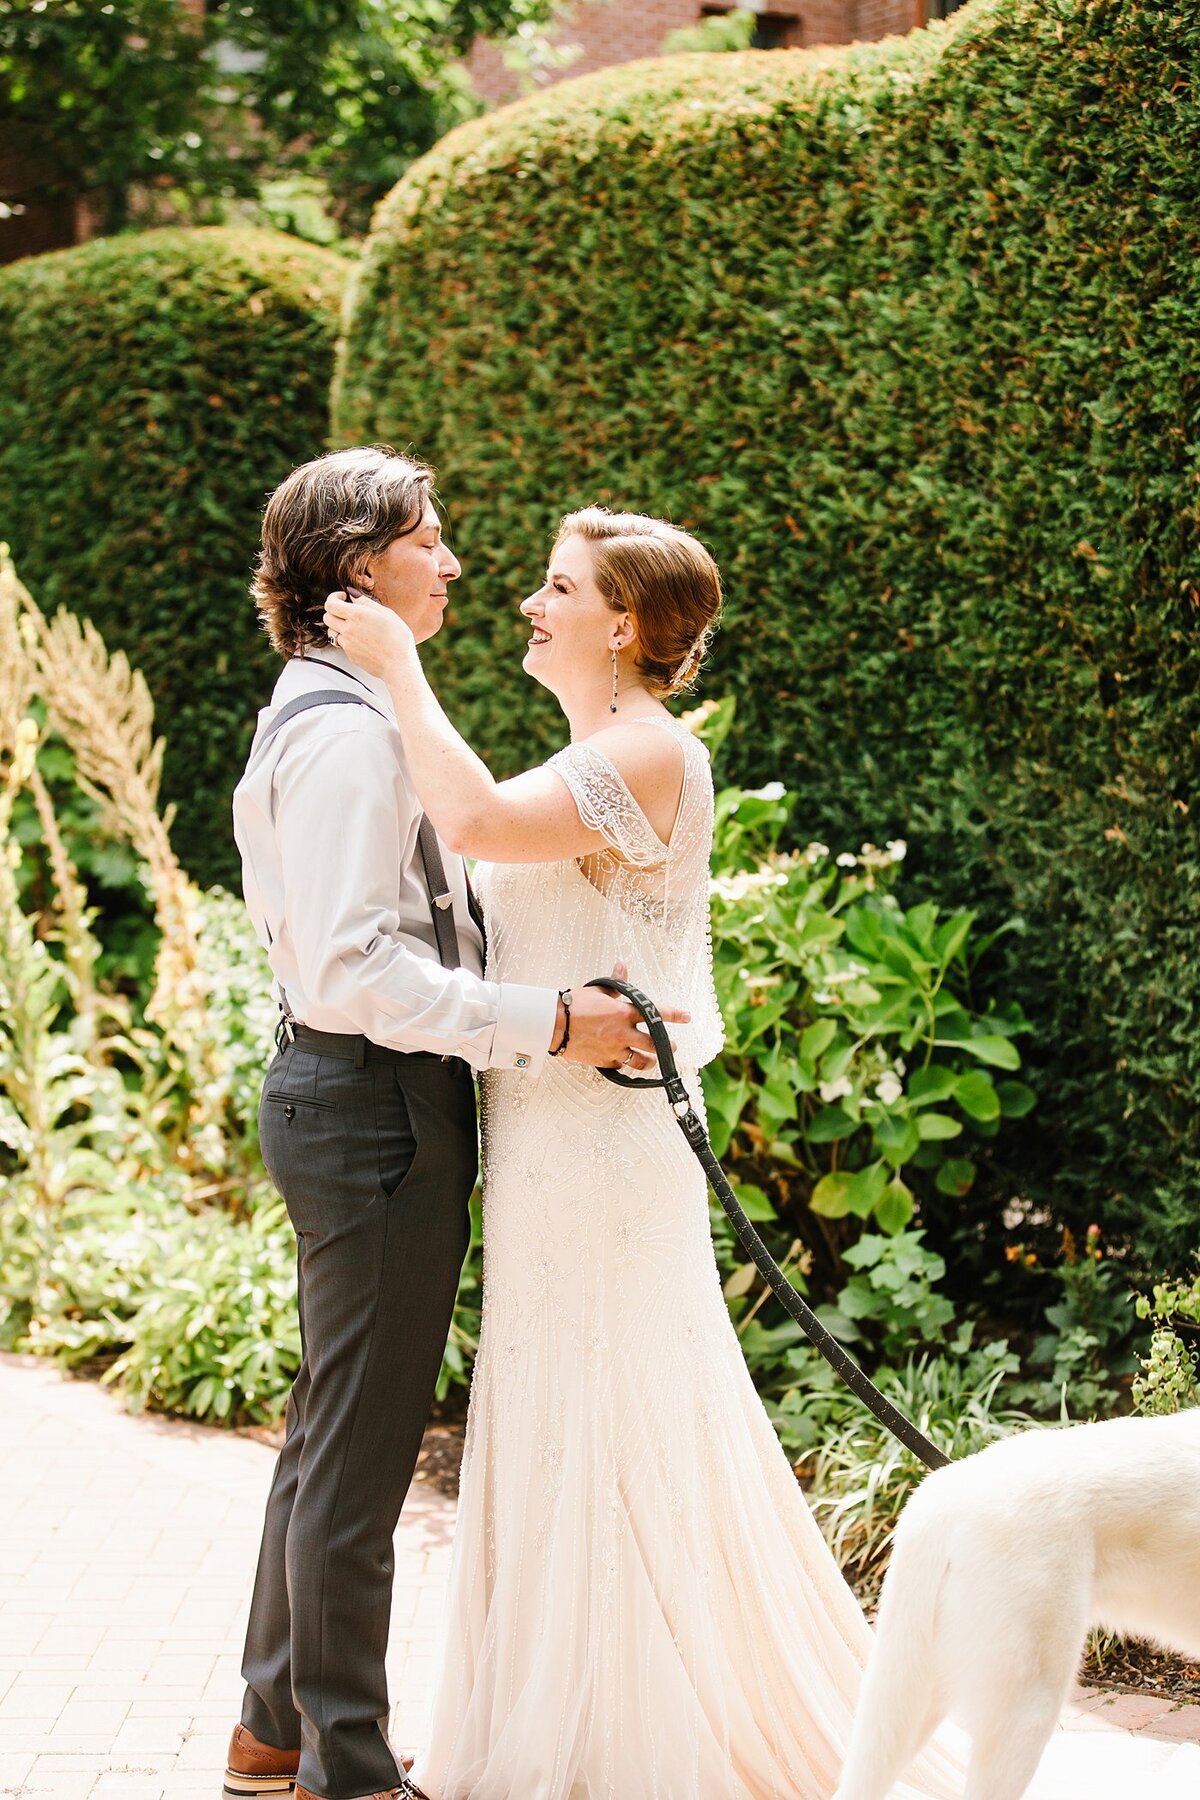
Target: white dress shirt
column 326, row 823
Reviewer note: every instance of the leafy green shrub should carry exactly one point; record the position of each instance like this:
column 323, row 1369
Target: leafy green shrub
column 905, row 332
column 891, row 1295
column 1169, row 1378
column 155, row 388
column 1086, row 1348
column 858, row 1080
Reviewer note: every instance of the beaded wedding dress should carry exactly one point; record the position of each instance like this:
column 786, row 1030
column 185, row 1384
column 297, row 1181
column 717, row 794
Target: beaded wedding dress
column 640, row 1606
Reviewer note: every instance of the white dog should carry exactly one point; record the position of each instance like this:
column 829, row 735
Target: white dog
column 1001, row 1564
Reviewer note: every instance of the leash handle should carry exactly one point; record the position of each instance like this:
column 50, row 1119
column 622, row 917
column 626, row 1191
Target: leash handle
column 692, row 1126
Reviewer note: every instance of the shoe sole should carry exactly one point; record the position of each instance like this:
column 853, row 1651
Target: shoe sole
column 258, row 1787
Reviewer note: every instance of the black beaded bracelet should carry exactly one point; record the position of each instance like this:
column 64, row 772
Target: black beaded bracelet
column 564, row 995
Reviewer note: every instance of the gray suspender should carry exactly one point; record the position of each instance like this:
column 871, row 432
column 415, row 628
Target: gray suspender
column 440, row 898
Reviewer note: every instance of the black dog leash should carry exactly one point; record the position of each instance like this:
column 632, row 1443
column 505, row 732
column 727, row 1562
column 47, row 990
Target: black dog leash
column 693, row 1130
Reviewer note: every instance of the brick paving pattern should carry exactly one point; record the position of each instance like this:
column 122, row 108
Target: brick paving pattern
column 127, row 1551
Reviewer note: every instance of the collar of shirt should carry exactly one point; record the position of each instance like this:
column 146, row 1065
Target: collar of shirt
column 302, row 675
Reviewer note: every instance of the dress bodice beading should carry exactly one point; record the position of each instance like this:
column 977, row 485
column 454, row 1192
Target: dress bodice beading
column 636, row 900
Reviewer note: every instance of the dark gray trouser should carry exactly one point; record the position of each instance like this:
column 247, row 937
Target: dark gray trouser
column 376, row 1166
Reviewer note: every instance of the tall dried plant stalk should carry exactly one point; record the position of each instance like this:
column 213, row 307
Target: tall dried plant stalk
column 103, row 710
column 28, row 979
column 80, row 947
column 18, row 732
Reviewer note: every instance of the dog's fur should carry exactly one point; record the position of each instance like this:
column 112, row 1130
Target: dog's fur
column 1001, row 1564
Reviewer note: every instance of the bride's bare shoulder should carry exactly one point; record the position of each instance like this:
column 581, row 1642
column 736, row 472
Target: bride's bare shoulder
column 650, row 763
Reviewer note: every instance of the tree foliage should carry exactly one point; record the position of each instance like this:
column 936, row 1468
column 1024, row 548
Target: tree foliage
column 145, row 94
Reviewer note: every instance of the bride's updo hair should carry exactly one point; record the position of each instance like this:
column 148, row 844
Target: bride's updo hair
column 664, row 578
column 321, row 525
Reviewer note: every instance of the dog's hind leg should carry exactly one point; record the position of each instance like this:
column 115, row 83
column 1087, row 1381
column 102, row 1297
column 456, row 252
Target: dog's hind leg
column 1012, row 1635
column 903, row 1695
column 1014, row 1688
column 1006, row 1751
column 879, row 1755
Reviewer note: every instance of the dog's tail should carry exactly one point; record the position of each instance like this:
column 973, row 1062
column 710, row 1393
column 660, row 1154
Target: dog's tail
column 903, row 1692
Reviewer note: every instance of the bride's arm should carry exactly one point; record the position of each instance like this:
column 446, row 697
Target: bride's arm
column 532, row 817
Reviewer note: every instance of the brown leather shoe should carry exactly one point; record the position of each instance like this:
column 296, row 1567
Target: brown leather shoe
column 302, row 1793
column 258, row 1771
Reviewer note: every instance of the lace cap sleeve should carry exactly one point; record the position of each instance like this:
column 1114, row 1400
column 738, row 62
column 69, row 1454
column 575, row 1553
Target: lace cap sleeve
column 606, row 804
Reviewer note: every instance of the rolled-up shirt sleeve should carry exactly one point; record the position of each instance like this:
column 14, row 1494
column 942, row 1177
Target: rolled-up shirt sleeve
column 345, row 825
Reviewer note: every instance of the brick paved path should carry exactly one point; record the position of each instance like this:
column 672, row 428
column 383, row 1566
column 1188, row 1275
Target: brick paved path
column 127, row 1550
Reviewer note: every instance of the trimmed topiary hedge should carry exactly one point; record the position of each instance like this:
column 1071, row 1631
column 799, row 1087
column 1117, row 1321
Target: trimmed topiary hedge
column 154, row 389
column 907, row 332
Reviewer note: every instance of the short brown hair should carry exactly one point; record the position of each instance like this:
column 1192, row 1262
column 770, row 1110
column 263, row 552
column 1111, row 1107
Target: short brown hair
column 321, row 525
column 665, row 578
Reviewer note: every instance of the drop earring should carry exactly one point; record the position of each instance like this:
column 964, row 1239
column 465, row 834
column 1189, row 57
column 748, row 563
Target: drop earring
column 613, row 707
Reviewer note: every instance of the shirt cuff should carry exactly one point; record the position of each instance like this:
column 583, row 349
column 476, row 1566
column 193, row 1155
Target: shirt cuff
column 525, row 1027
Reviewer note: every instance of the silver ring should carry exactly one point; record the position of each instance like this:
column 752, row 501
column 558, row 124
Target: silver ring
column 333, row 638
column 629, row 1055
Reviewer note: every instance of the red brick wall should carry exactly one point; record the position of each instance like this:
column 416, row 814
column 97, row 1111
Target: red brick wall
column 829, row 22
column 880, row 18
column 615, row 31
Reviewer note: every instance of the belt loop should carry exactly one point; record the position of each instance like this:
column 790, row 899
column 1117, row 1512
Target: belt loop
column 360, row 1052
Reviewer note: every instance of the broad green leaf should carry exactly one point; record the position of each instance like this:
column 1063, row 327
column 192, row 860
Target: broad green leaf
column 1015, row 1098
column 955, row 1177
column 920, row 921
column 860, row 993
column 829, row 1126
column 829, row 1195
column 938, row 1125
column 864, row 931
column 837, row 1060
column 866, row 1252
column 949, row 938
column 820, row 928
column 1000, row 1052
column 896, row 1139
column 865, row 1189
column 753, row 1201
column 816, row 1039
column 976, row 1095
column 776, row 1101
column 926, row 1086
column 896, row 1207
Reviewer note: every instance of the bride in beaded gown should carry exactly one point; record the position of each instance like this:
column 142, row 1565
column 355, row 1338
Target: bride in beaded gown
column 641, row 1605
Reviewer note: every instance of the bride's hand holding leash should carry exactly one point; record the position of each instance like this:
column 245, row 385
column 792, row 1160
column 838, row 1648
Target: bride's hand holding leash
column 609, row 1034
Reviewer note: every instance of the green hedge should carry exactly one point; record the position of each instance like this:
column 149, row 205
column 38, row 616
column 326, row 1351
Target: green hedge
column 154, row 388
column 907, row 332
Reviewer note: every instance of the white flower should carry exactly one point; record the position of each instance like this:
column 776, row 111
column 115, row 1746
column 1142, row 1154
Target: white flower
column 833, row 1090
column 822, row 998
column 897, row 849
column 814, row 850
column 746, row 881
column 846, row 860
column 774, row 790
column 888, row 1089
